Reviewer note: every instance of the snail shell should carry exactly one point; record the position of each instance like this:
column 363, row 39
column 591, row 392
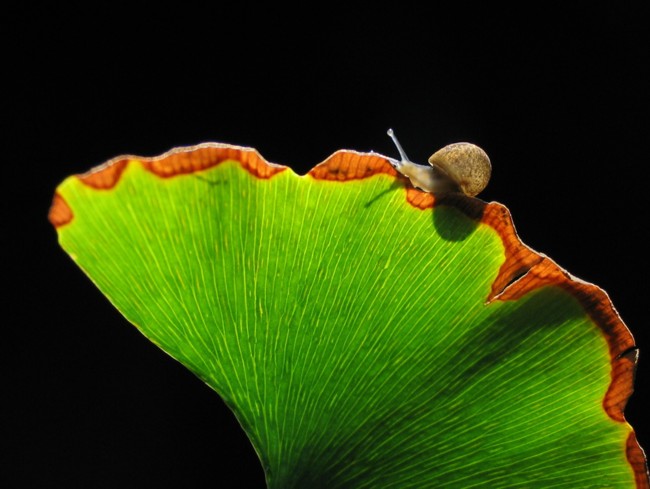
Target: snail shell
column 467, row 165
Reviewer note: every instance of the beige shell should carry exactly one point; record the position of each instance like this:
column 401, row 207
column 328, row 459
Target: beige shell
column 466, row 164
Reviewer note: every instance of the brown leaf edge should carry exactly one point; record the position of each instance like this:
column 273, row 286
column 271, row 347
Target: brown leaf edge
column 523, row 270
column 178, row 161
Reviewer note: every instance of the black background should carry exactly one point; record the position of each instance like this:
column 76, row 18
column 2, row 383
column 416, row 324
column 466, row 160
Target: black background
column 557, row 97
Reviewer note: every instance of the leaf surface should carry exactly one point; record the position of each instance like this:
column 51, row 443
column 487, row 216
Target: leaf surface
column 365, row 334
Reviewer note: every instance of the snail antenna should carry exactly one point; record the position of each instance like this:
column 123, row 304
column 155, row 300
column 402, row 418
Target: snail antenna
column 402, row 154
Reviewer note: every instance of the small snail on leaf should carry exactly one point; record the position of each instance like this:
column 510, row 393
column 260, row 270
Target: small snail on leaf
column 458, row 167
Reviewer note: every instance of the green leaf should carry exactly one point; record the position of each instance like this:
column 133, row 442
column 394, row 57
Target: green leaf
column 365, row 334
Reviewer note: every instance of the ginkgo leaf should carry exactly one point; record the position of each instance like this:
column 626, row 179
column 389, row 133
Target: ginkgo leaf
column 365, row 334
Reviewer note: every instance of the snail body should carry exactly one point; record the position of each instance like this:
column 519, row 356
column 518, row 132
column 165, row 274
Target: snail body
column 458, row 167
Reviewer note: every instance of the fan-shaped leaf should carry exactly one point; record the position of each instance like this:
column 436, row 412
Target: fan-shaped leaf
column 364, row 334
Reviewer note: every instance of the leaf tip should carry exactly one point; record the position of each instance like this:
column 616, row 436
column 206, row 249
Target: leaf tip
column 106, row 176
column 637, row 459
column 201, row 157
column 60, row 213
column 351, row 165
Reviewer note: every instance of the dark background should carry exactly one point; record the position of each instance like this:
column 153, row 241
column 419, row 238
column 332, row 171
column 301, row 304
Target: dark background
column 558, row 98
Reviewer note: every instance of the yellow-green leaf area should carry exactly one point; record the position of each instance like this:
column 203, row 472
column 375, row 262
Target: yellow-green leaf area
column 349, row 332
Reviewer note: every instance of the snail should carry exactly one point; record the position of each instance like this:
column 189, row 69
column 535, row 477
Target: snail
column 458, row 167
